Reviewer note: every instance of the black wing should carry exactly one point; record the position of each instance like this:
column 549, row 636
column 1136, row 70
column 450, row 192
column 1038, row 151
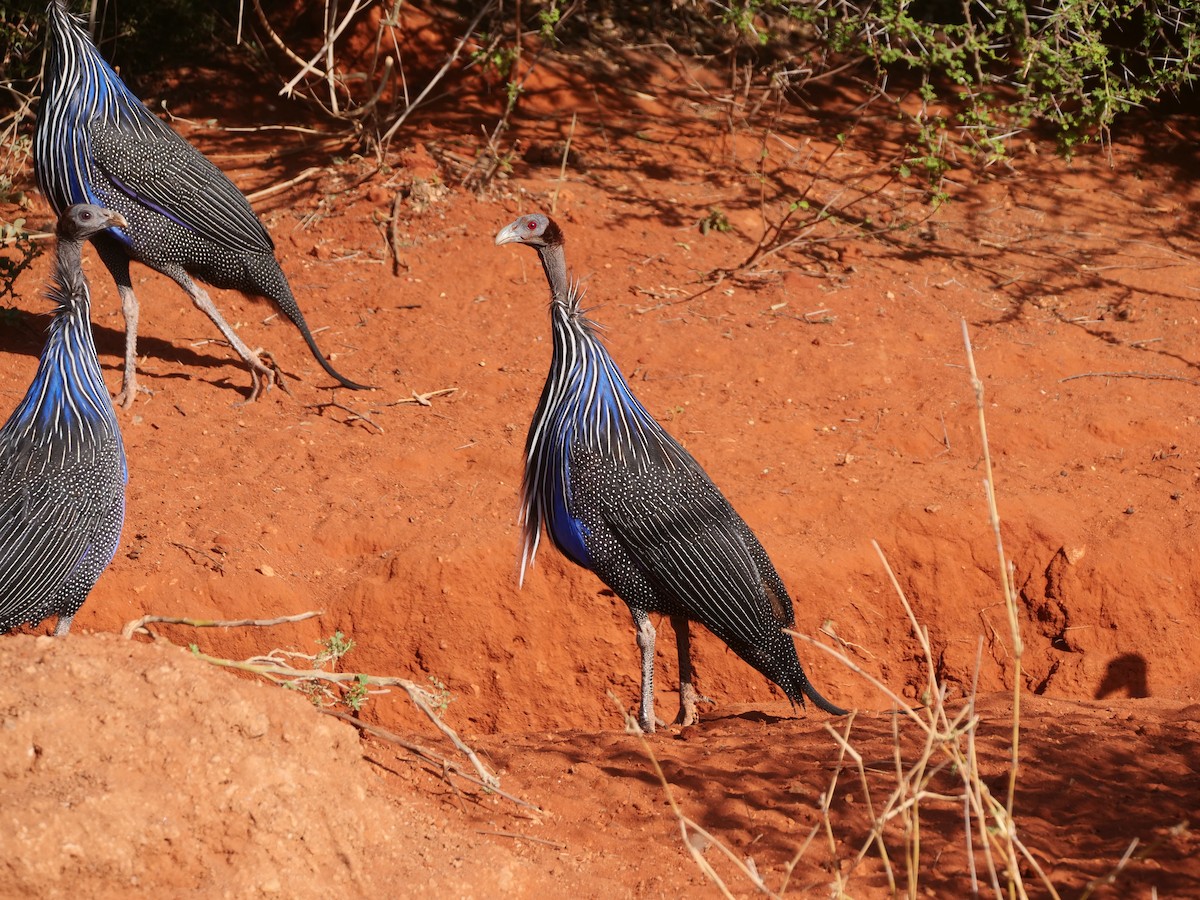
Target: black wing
column 151, row 164
column 693, row 547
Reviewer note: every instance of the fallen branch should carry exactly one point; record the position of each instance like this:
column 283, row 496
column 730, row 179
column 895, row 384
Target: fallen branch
column 423, row 399
column 1149, row 376
column 355, row 415
column 281, row 674
column 271, row 668
column 138, row 626
column 487, row 780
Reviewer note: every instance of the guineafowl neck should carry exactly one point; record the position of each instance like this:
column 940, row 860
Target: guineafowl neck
column 554, row 263
column 68, row 272
column 68, row 394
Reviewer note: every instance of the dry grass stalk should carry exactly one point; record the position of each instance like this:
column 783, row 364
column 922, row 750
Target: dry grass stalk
column 689, row 830
column 562, row 169
column 949, row 748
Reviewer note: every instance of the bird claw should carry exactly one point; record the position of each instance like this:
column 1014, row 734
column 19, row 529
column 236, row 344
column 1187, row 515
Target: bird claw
column 128, row 392
column 688, row 698
column 265, row 374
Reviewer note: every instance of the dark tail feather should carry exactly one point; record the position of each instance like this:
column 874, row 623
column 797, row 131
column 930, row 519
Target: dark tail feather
column 781, row 664
column 320, row 357
column 278, row 290
column 821, row 702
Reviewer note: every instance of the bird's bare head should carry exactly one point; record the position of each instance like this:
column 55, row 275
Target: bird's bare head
column 536, row 230
column 82, row 220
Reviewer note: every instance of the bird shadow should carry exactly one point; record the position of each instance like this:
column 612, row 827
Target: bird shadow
column 24, row 334
column 757, row 717
column 1126, row 672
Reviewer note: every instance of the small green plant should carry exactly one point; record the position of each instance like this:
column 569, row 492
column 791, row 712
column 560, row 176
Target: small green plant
column 13, row 234
column 493, row 56
column 321, row 683
column 548, row 20
column 441, row 698
column 336, row 646
column 356, row 694
column 715, row 221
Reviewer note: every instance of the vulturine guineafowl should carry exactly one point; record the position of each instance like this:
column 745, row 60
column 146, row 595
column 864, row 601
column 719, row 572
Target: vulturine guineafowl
column 62, row 462
column 618, row 495
column 95, row 142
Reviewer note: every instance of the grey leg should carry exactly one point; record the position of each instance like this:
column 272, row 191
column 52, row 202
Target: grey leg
column 645, row 642
column 261, row 374
column 118, row 265
column 688, row 695
column 129, row 385
column 63, row 625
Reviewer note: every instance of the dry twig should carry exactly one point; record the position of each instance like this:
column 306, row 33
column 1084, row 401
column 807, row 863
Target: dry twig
column 423, row 399
column 138, row 626
column 281, row 186
column 487, row 780
column 688, row 828
column 355, row 415
column 394, row 234
column 525, row 837
column 1149, row 376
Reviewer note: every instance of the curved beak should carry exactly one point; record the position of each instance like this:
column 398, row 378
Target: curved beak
column 508, row 234
column 115, row 219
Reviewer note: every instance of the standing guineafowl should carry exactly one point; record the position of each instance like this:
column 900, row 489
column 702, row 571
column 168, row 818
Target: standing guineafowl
column 62, row 463
column 95, row 142
column 620, row 496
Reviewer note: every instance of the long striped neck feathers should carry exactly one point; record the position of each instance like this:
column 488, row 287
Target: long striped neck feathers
column 71, row 48
column 81, row 88
column 68, row 394
column 79, row 78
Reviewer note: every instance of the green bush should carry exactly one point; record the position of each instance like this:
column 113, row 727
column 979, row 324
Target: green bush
column 980, row 72
column 1072, row 66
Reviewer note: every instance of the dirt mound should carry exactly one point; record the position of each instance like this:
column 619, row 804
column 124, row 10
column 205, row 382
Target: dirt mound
column 131, row 768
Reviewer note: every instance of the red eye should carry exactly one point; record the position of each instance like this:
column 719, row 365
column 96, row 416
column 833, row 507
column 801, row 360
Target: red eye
column 532, row 226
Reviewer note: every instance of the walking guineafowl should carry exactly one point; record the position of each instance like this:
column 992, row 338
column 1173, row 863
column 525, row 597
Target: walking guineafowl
column 62, row 462
column 621, row 497
column 95, row 142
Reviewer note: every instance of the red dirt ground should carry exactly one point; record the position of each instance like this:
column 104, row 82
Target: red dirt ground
column 825, row 391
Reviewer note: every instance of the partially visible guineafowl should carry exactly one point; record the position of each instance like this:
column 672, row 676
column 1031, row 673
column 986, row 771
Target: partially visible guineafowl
column 620, row 496
column 95, row 142
column 62, row 463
